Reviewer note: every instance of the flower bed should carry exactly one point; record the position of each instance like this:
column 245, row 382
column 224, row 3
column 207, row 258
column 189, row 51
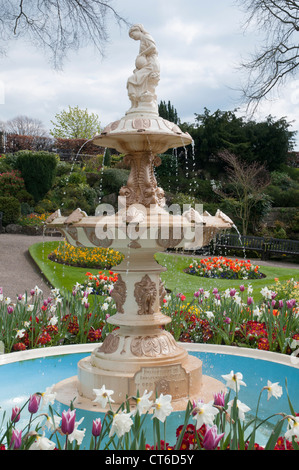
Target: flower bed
column 220, row 267
column 99, row 258
column 228, row 317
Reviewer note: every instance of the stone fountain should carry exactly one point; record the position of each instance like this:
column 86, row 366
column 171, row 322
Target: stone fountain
column 140, row 354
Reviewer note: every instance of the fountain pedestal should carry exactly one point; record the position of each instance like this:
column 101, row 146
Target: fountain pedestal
column 140, row 354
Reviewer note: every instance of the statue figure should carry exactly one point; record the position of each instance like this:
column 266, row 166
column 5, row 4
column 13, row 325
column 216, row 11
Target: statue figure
column 141, row 85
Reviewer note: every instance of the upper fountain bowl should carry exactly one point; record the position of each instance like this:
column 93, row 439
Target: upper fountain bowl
column 142, row 133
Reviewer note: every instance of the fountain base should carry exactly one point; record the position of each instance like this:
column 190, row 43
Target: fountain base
column 183, row 381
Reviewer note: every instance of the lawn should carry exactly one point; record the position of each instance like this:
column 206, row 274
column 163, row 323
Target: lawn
column 65, row 277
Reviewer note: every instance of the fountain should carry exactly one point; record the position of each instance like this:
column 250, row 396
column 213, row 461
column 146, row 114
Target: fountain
column 139, row 354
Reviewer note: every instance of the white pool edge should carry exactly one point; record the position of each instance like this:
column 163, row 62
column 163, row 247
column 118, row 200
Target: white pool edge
column 278, row 358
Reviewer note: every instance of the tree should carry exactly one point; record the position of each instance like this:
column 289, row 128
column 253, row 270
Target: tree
column 267, row 142
column 24, row 125
column 57, row 26
column 247, row 183
column 167, row 111
column 75, row 123
column 278, row 59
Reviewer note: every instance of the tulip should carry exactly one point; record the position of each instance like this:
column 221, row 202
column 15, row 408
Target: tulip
column 212, row 439
column 16, row 439
column 15, row 414
column 68, row 421
column 9, row 309
column 96, row 427
column 219, row 399
column 34, row 402
column 249, row 300
column 242, row 288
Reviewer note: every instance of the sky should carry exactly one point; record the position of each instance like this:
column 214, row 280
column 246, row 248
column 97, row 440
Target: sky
column 200, row 44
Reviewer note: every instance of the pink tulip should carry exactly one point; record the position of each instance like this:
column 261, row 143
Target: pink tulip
column 34, row 402
column 15, row 414
column 16, row 439
column 68, row 421
column 96, row 427
column 212, row 439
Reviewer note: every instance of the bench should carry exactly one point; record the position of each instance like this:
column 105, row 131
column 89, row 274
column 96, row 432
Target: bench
column 279, row 246
column 247, row 243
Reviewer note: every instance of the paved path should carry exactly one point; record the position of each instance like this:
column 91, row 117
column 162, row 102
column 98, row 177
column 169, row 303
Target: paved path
column 19, row 273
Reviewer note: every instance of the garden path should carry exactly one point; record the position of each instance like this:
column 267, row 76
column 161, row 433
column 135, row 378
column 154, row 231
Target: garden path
column 19, row 273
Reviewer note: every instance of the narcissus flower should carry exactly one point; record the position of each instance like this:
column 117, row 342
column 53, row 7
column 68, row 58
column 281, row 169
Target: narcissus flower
column 103, row 396
column 162, row 407
column 121, row 424
column 274, row 390
column 234, row 381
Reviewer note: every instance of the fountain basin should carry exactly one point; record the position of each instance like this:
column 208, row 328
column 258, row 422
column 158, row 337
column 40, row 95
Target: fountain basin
column 24, row 373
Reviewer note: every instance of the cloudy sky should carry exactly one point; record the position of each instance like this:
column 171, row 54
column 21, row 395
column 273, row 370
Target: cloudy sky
column 200, row 45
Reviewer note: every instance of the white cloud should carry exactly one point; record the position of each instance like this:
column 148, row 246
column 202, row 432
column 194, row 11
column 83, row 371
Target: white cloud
column 199, row 45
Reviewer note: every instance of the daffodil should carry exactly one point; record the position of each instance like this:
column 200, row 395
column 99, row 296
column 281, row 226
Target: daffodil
column 162, row 407
column 241, row 407
column 143, row 404
column 234, row 381
column 103, row 396
column 121, row 424
column 204, row 413
column 274, row 390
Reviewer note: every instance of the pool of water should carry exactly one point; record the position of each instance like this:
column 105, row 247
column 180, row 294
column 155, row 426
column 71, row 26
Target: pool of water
column 20, row 379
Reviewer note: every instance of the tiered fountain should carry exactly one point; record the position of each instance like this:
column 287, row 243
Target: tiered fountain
column 139, row 354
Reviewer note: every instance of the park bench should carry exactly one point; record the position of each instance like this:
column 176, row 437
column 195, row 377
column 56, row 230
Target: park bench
column 247, row 243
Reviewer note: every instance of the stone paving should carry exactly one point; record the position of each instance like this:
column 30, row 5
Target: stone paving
column 18, row 271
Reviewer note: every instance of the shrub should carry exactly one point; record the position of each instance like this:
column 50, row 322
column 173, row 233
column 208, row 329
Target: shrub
column 38, row 171
column 11, row 209
column 113, row 179
column 11, row 183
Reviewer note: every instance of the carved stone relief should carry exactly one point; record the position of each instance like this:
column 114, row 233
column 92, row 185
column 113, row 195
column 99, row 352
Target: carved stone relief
column 119, row 294
column 145, row 294
column 110, row 344
column 153, row 346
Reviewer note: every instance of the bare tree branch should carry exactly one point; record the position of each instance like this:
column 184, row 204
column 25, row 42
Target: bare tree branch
column 278, row 60
column 58, row 26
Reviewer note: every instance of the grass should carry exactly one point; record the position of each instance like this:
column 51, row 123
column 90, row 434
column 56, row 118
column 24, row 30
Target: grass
column 176, row 279
column 65, row 277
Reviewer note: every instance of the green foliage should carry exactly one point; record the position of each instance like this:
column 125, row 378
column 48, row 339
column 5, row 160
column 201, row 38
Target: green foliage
column 266, row 142
column 75, row 123
column 38, row 171
column 113, row 179
column 168, row 112
column 11, row 209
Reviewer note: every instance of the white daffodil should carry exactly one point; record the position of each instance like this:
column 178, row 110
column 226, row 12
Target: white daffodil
column 20, row 333
column 210, row 315
column 48, row 396
column 162, row 407
column 293, row 428
column 121, row 424
column 53, row 320
column 77, row 434
column 103, row 396
column 204, row 413
column 241, row 407
column 234, row 381
column 52, row 423
column 274, row 390
column 42, row 443
column 143, row 404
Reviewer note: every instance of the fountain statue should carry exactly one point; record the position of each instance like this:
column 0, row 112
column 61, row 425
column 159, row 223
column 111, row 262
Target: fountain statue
column 140, row 354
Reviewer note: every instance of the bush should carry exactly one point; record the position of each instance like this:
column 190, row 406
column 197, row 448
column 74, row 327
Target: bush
column 11, row 209
column 113, row 179
column 38, row 171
